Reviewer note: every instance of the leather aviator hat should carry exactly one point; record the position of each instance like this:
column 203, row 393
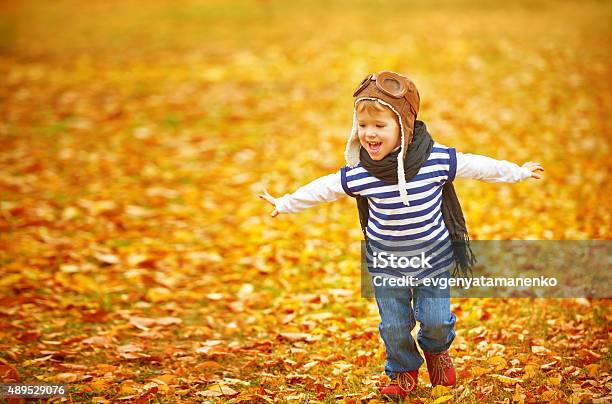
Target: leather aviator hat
column 398, row 93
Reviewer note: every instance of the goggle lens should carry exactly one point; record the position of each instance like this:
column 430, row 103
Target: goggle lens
column 392, row 86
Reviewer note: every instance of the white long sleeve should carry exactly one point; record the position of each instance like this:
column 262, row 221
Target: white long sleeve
column 323, row 189
column 488, row 169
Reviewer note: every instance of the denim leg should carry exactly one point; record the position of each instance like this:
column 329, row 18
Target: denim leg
column 432, row 310
column 397, row 321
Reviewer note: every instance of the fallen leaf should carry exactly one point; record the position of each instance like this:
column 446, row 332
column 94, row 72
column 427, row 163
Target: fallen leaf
column 506, row 379
column 129, row 387
column 218, row 391
column 66, row 377
column 498, row 362
column 539, row 350
column 37, row 360
column 28, row 336
column 531, row 370
column 129, row 348
column 107, row 258
column 8, row 372
column 477, row 371
column 553, row 381
column 442, row 399
column 98, row 341
column 297, row 336
column 593, row 370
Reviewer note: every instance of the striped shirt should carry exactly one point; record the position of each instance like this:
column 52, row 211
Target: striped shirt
column 407, row 231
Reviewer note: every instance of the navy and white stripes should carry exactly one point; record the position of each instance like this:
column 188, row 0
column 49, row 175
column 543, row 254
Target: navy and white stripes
column 394, row 226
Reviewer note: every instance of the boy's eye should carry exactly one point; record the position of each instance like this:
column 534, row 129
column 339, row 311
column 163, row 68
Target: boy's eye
column 361, row 125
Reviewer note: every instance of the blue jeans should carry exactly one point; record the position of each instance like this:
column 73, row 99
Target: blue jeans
column 431, row 308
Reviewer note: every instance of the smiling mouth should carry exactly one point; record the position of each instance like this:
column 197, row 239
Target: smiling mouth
column 374, row 147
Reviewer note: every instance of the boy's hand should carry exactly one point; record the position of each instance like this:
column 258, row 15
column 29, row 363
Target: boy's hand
column 269, row 198
column 534, row 167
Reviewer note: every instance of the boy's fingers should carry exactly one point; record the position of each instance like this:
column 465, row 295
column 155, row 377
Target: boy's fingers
column 533, row 166
column 270, row 199
column 267, row 194
column 267, row 198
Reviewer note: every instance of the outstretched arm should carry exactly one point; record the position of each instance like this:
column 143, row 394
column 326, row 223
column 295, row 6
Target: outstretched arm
column 488, row 169
column 323, row 189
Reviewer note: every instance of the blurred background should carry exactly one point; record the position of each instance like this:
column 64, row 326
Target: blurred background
column 134, row 137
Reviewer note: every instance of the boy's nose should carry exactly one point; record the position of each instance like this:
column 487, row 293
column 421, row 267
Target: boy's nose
column 370, row 133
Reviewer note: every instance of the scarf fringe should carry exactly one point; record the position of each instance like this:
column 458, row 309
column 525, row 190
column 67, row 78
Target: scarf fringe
column 464, row 257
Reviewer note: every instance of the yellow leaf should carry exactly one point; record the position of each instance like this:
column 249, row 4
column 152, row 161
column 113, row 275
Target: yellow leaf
column 593, row 369
column 555, row 381
column 498, row 362
column 70, row 213
column 478, row 371
column 519, row 395
column 167, row 378
column 84, row 283
column 549, row 396
column 184, row 236
column 506, row 379
column 129, row 387
column 442, row 399
column 157, row 295
column 531, row 370
column 101, row 384
column 440, row 391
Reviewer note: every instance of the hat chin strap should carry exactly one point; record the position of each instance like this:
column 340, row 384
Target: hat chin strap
column 351, row 153
column 401, row 177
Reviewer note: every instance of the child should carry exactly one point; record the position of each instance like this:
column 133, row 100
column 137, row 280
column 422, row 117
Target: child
column 402, row 180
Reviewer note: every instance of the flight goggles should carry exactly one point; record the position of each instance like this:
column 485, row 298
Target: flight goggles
column 389, row 83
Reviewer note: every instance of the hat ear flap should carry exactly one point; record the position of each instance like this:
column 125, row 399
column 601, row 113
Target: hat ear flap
column 351, row 153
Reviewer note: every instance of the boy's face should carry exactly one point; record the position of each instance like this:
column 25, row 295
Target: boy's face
column 378, row 132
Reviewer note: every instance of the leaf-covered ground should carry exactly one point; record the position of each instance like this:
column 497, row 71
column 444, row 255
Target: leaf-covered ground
column 138, row 265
